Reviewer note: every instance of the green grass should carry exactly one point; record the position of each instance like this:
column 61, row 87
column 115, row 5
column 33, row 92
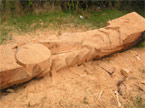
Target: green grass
column 56, row 20
column 142, row 45
column 4, row 34
column 99, row 19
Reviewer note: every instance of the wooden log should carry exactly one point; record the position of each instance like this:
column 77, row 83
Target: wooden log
column 10, row 72
column 20, row 65
column 34, row 60
column 120, row 34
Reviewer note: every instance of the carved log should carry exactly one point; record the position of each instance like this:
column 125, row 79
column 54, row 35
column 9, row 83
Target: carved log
column 120, row 34
column 18, row 65
column 10, row 72
column 22, row 64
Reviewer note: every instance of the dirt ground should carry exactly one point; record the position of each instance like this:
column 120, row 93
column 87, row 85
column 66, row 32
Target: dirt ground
column 95, row 84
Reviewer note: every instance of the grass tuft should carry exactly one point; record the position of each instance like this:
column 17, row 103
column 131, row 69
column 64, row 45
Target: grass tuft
column 142, row 45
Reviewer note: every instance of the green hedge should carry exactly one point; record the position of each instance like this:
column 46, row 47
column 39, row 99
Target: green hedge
column 22, row 6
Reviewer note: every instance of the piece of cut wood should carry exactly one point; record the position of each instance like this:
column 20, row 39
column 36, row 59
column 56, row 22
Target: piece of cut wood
column 35, row 58
column 11, row 73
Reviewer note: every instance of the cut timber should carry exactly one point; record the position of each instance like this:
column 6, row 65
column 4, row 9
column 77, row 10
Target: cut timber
column 75, row 48
column 35, row 58
column 20, row 65
column 119, row 35
column 10, row 72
